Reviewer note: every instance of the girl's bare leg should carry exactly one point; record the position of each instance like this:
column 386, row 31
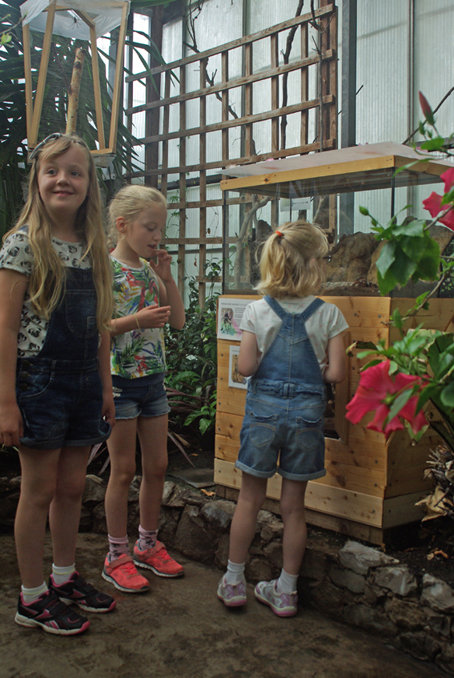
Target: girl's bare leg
column 122, row 452
column 295, row 530
column 38, row 484
column 153, row 444
column 64, row 513
column 244, row 522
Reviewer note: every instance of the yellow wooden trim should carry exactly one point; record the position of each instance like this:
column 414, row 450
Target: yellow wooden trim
column 39, row 97
column 118, row 80
column 28, row 83
column 97, row 89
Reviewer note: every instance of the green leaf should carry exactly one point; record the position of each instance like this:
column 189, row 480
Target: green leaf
column 447, row 395
column 403, row 267
column 386, row 258
column 204, row 425
column 412, row 229
column 386, row 283
column 397, row 318
column 398, row 403
column 434, row 144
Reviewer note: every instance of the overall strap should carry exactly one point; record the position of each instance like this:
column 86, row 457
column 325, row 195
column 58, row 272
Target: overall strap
column 277, row 308
column 310, row 310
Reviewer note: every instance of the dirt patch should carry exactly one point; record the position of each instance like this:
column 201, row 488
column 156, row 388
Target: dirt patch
column 180, row 630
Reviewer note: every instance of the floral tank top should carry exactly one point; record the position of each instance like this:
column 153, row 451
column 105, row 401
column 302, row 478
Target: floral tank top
column 137, row 353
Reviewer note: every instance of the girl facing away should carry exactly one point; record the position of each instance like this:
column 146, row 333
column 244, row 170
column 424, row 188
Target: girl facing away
column 145, row 298
column 55, row 384
column 292, row 343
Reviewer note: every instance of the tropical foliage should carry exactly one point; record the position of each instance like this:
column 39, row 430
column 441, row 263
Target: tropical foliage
column 191, row 361
column 399, row 381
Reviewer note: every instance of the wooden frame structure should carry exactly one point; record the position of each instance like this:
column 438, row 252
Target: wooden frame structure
column 169, row 114
column 104, row 153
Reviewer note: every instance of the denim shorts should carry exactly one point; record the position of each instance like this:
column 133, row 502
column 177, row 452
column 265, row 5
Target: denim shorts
column 60, row 408
column 142, row 397
column 283, row 435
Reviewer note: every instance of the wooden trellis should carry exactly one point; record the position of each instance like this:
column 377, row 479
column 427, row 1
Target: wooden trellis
column 321, row 62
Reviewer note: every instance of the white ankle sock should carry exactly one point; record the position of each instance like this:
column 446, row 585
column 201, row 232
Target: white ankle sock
column 30, row 595
column 286, row 582
column 235, row 573
column 60, row 575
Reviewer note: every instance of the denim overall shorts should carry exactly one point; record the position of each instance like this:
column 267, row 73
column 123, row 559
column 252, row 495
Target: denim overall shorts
column 283, row 424
column 59, row 390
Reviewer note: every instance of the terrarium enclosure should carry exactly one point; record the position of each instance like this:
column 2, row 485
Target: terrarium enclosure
column 325, row 188
column 372, row 484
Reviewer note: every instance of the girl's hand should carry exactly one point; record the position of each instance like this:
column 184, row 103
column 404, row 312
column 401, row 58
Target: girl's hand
column 162, row 265
column 108, row 408
column 153, row 316
column 11, row 425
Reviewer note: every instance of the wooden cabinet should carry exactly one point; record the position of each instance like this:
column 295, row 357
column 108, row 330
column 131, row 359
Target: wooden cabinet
column 371, row 484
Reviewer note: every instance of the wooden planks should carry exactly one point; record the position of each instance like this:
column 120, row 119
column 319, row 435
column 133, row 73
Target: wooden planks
column 371, row 484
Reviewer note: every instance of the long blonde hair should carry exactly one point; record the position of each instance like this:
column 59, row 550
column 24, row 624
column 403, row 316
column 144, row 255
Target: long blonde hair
column 129, row 202
column 291, row 260
column 47, row 280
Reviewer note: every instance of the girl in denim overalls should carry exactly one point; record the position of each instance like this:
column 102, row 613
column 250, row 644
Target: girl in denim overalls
column 55, row 385
column 292, row 343
column 146, row 297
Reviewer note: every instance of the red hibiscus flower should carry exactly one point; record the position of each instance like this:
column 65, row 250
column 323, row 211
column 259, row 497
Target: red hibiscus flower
column 433, row 203
column 375, row 394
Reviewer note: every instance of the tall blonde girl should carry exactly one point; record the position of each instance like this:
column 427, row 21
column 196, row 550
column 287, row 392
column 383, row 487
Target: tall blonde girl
column 146, row 297
column 292, row 343
column 55, row 385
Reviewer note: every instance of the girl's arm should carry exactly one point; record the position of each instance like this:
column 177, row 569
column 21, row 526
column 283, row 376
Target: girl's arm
column 249, row 356
column 108, row 407
column 168, row 291
column 13, row 286
column 336, row 368
column 150, row 316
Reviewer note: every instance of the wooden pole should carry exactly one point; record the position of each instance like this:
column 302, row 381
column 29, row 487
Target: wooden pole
column 42, row 76
column 118, row 80
column 28, row 79
column 74, row 89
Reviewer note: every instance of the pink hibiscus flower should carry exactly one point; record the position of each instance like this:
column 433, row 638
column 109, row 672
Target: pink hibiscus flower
column 433, row 203
column 373, row 395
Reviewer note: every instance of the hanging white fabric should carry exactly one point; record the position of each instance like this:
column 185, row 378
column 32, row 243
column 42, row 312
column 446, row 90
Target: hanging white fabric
column 104, row 14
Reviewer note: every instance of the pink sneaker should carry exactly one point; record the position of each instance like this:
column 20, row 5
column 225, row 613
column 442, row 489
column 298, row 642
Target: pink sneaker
column 157, row 560
column 124, row 576
column 232, row 595
column 282, row 604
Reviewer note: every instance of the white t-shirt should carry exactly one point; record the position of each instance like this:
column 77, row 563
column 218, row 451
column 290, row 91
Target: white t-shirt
column 327, row 321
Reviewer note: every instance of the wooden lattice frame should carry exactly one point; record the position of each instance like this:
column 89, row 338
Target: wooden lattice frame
column 159, row 109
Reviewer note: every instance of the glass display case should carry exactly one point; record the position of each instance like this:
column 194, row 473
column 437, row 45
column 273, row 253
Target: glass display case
column 326, row 188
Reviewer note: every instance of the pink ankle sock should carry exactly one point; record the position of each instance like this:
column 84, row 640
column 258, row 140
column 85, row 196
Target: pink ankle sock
column 147, row 538
column 118, row 546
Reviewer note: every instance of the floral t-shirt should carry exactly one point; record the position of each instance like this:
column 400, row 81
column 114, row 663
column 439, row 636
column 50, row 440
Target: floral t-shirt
column 16, row 254
column 140, row 352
